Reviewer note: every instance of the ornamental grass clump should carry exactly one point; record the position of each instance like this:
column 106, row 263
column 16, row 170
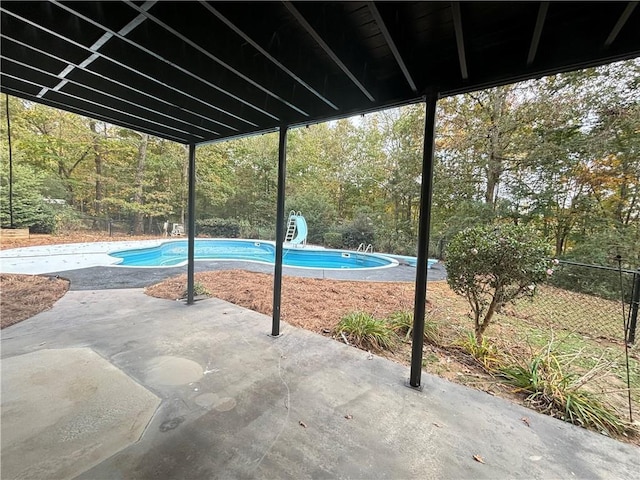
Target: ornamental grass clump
column 401, row 322
column 366, row 332
column 198, row 290
column 551, row 388
column 482, row 351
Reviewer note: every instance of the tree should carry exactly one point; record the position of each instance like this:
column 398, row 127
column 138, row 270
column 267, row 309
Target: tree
column 492, row 265
column 29, row 209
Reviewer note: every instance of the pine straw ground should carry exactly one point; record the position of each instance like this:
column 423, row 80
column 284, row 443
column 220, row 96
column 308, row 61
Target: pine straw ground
column 310, row 303
column 25, row 295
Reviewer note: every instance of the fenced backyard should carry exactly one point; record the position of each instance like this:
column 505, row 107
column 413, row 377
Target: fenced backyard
column 591, row 300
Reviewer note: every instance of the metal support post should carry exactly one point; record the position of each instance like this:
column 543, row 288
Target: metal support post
column 423, row 241
column 191, row 233
column 277, row 276
column 633, row 313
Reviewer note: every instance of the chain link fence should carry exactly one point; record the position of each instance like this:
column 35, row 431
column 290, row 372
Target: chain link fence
column 111, row 226
column 595, row 301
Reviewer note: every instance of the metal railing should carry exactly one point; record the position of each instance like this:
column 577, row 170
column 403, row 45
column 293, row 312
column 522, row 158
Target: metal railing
column 365, row 249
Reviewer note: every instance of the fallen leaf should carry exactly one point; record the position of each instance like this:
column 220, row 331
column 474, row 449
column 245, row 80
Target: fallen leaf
column 478, row 458
column 302, row 424
column 525, row 420
column 348, row 416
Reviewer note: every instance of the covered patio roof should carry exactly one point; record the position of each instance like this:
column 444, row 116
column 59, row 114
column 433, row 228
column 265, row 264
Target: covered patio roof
column 196, row 72
column 200, row 72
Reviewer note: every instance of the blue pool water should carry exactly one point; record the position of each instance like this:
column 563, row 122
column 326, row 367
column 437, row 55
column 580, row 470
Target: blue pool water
column 175, row 253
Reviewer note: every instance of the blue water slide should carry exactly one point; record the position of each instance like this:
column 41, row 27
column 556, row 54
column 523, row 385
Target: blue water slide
column 301, row 230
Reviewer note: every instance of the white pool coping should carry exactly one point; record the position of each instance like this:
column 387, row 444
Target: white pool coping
column 68, row 256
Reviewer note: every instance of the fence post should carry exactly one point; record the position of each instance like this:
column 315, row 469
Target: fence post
column 633, row 314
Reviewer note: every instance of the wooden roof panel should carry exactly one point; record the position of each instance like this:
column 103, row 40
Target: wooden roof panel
column 196, row 72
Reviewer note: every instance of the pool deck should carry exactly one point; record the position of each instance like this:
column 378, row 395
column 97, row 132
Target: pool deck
column 89, row 267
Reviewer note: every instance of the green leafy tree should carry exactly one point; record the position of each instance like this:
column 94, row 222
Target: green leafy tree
column 29, row 209
column 491, row 265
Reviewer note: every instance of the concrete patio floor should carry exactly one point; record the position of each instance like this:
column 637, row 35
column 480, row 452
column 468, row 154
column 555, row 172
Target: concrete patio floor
column 223, row 399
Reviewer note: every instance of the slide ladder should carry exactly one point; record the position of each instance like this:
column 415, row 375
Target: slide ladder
column 296, row 229
column 291, row 226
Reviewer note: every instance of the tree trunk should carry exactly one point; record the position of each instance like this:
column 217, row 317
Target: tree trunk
column 559, row 245
column 98, row 158
column 495, row 165
column 137, row 197
column 183, row 186
column 496, row 302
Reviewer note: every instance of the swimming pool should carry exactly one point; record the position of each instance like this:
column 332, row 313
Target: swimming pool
column 173, row 253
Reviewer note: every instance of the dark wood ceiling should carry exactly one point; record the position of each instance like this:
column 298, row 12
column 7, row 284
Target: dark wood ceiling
column 196, row 72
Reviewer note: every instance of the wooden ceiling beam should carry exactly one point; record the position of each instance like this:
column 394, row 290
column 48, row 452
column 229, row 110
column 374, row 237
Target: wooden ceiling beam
column 457, row 25
column 537, row 32
column 620, row 23
column 327, row 49
column 392, row 45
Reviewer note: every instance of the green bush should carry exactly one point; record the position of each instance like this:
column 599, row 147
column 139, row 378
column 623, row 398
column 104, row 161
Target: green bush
column 219, row 227
column 366, row 332
column 333, row 239
column 28, row 206
column 399, row 243
column 67, row 220
column 360, row 230
column 247, row 230
column 45, row 222
column 495, row 264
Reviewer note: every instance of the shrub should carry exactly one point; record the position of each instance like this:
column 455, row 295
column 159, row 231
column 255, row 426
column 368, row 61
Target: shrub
column 401, row 322
column 333, row 239
column 219, row 227
column 360, row 230
column 44, row 223
column 493, row 265
column 247, row 230
column 366, row 332
column 28, row 205
column 67, row 220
